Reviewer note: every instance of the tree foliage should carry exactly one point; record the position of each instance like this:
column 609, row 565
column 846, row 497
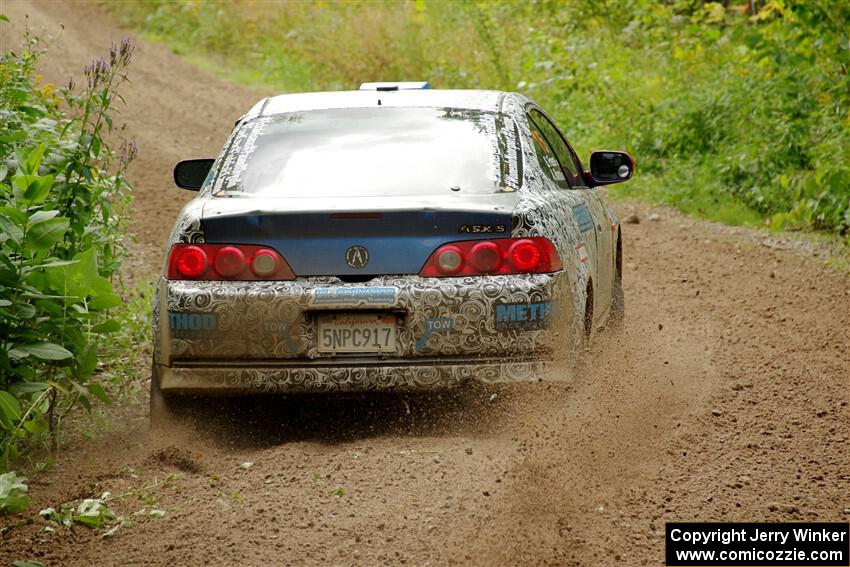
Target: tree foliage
column 736, row 110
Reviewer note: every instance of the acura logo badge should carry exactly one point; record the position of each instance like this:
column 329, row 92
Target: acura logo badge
column 357, row 257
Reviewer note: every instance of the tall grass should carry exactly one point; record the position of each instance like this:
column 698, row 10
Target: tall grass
column 737, row 111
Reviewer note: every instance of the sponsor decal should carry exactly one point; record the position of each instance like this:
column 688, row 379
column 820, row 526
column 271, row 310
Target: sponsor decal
column 191, row 324
column 582, row 253
column 523, row 315
column 583, row 218
column 354, row 296
column 482, row 228
column 281, row 329
column 432, row 326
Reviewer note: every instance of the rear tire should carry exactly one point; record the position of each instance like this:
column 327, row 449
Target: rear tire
column 161, row 405
column 618, row 307
column 618, row 298
column 581, row 344
column 588, row 315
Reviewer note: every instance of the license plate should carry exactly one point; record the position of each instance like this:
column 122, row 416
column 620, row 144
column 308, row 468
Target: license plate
column 357, row 333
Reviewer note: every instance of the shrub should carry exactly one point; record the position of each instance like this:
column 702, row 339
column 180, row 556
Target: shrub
column 743, row 107
column 62, row 194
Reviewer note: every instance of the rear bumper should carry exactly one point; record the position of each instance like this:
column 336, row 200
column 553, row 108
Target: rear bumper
column 429, row 375
column 273, row 324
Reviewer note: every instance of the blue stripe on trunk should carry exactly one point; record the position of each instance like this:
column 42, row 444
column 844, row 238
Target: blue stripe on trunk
column 314, row 244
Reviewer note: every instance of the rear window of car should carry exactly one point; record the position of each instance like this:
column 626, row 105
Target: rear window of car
column 372, row 152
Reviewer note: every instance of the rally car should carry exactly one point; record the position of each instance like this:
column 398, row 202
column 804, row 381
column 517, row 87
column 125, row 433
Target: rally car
column 391, row 238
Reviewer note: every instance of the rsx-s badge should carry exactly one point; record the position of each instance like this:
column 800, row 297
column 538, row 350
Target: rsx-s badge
column 357, row 257
column 482, row 228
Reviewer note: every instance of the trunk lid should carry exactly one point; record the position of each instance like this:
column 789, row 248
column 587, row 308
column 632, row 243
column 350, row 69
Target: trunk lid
column 353, row 238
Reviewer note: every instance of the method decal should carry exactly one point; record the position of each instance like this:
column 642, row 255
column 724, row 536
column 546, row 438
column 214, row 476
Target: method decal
column 432, row 326
column 585, row 221
column 189, row 324
column 522, row 315
column 354, row 296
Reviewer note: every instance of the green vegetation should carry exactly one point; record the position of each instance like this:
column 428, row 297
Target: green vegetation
column 96, row 512
column 13, row 493
column 738, row 111
column 91, row 512
column 62, row 192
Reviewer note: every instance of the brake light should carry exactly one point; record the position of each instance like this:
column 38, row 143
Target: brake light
column 534, row 255
column 191, row 262
column 524, row 255
column 226, row 262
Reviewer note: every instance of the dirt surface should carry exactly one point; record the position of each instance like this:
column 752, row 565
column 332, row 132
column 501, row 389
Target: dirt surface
column 725, row 399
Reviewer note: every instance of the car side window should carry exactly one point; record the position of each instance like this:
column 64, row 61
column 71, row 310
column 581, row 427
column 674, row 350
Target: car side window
column 546, row 157
column 571, row 167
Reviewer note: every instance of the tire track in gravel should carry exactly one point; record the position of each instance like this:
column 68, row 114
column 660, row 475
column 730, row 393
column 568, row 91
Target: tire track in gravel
column 725, row 399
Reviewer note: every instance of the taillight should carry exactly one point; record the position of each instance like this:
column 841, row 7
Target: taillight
column 534, row 255
column 191, row 261
column 265, row 263
column 485, row 257
column 229, row 262
column 226, row 262
column 450, row 260
column 525, row 255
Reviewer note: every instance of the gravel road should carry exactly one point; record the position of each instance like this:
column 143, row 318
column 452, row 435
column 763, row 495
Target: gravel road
column 725, row 399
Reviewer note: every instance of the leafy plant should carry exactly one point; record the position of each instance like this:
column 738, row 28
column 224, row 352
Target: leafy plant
column 91, row 513
column 13, row 494
column 62, row 189
column 95, row 513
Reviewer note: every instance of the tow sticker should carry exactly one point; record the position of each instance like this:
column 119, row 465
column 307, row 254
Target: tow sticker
column 282, row 330
column 432, row 326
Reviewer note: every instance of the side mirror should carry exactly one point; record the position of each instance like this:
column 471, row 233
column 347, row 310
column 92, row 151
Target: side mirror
column 610, row 167
column 191, row 173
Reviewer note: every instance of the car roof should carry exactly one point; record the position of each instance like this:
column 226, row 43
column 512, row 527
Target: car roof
column 467, row 99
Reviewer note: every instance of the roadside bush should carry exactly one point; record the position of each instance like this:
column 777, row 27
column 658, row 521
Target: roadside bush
column 726, row 108
column 62, row 192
